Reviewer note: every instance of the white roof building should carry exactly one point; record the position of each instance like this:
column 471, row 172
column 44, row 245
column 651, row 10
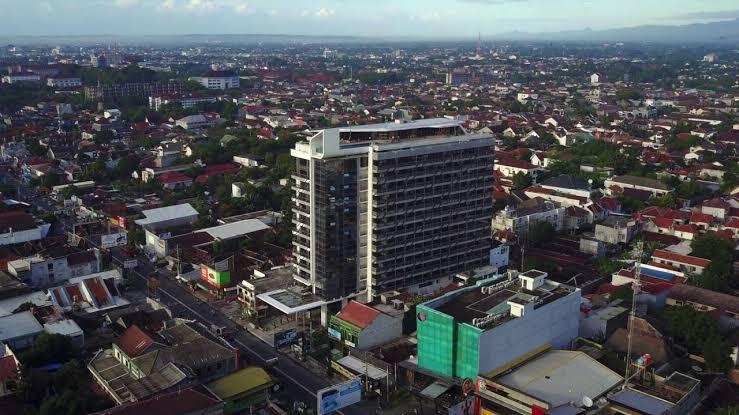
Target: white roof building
column 168, row 216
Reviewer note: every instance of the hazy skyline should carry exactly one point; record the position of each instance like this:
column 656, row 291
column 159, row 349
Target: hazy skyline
column 424, row 18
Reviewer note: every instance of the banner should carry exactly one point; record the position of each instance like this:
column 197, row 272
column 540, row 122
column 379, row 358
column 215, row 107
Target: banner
column 115, row 239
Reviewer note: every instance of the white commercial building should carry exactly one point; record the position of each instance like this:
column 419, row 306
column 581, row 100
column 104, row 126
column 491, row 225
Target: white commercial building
column 218, row 80
column 63, row 82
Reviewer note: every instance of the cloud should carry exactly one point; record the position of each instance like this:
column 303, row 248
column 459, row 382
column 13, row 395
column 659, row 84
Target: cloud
column 492, row 2
column 708, row 15
column 200, row 5
column 272, row 12
column 167, row 5
column 427, row 16
column 123, row 4
column 324, row 12
column 46, row 6
column 243, row 8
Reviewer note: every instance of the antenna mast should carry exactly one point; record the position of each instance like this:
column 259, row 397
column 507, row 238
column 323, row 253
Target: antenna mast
column 638, row 252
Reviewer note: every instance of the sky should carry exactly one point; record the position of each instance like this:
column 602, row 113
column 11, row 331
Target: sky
column 375, row 18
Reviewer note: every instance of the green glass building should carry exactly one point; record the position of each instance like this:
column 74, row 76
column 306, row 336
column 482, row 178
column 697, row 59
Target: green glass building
column 477, row 329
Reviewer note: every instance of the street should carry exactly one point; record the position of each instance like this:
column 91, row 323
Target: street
column 298, row 382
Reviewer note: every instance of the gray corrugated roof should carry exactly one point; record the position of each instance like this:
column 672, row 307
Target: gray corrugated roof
column 19, row 325
column 561, row 376
column 392, row 126
column 167, row 213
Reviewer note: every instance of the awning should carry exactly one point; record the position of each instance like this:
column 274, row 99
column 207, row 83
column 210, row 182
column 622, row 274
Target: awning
column 435, row 390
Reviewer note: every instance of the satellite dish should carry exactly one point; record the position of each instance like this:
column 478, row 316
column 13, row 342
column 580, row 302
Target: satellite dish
column 587, row 402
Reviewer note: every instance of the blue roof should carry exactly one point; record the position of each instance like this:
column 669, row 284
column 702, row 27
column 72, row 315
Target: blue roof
column 657, row 274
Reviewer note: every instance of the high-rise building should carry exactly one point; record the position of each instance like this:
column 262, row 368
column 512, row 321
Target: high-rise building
column 391, row 206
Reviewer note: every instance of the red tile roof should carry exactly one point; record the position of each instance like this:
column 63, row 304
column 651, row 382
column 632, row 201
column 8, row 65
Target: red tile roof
column 658, row 212
column 700, row 217
column 187, row 401
column 173, row 177
column 358, row 314
column 8, row 368
column 134, row 341
column 685, row 228
column 681, row 259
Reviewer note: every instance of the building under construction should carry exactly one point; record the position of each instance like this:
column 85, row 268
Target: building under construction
column 391, row 206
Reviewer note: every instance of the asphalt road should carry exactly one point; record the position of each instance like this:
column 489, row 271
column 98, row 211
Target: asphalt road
column 298, row 382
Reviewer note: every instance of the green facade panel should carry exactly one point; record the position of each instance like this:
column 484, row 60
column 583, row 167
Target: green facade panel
column 467, row 356
column 435, row 332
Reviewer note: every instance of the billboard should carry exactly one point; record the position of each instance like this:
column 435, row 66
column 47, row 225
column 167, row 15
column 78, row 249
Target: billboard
column 286, row 338
column 215, row 278
column 114, row 239
column 333, row 333
column 339, row 396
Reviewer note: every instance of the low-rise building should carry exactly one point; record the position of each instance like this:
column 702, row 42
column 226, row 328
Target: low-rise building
column 725, row 307
column 51, row 268
column 17, row 227
column 218, row 79
column 478, row 329
column 168, row 217
column 546, row 381
column 138, row 366
column 14, row 79
column 685, row 263
column 71, row 82
column 654, row 186
column 364, row 327
column 616, row 229
column 9, row 370
column 19, row 330
column 518, row 219
column 243, row 390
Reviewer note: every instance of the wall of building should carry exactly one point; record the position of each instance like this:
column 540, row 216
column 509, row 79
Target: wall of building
column 435, row 341
column 383, row 329
column 556, row 323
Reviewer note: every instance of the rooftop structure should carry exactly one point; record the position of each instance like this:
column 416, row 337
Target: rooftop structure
column 18, row 330
column 168, row 216
column 675, row 395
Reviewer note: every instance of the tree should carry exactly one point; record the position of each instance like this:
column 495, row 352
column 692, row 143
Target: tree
column 716, row 354
column 48, row 348
column 729, row 410
column 136, row 235
column 24, row 307
column 695, row 331
column 126, row 166
column 104, row 136
column 521, row 181
column 667, row 200
column 540, row 232
column 624, row 293
column 718, row 275
column 49, row 180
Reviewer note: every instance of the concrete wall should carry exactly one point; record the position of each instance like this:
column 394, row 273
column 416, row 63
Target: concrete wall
column 556, row 323
column 383, row 329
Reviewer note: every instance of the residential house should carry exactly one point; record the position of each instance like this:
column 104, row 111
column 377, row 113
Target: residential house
column 724, row 307
column 685, row 263
column 364, row 327
column 518, row 219
column 616, row 229
column 653, row 186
